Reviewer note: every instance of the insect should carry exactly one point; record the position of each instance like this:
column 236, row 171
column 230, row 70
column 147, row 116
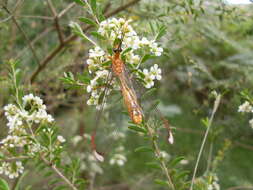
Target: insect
column 128, row 93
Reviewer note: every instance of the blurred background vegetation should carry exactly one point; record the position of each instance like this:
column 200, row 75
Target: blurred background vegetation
column 208, row 46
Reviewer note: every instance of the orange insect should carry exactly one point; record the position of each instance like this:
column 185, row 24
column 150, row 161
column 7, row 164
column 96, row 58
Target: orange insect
column 129, row 96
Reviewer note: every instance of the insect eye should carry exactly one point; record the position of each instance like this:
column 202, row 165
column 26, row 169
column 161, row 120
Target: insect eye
column 117, row 50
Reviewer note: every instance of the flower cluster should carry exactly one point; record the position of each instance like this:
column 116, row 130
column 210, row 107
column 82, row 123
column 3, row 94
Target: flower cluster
column 134, row 48
column 246, row 107
column 118, row 158
column 12, row 170
column 20, row 118
column 28, row 113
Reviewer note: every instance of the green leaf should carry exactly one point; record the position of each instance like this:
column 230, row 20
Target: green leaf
column 138, row 129
column 97, row 35
column 161, row 32
column 175, row 161
column 61, row 187
column 154, row 165
column 20, row 180
column 126, row 50
column 4, row 185
column 107, row 63
column 182, row 174
column 143, row 149
column 101, row 17
column 205, row 121
column 80, row 2
column 152, row 27
column 48, row 174
column 161, row 182
column 93, row 4
column 76, row 28
column 54, row 181
column 147, row 57
column 87, row 21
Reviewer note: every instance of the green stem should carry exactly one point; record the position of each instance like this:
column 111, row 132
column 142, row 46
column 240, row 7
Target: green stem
column 158, row 155
column 215, row 107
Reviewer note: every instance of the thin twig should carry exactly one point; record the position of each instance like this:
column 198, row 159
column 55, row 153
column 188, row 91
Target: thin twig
column 58, row 172
column 24, row 34
column 56, row 21
column 66, row 9
column 38, row 37
column 216, row 105
column 158, row 153
column 35, row 17
column 5, row 20
column 71, row 38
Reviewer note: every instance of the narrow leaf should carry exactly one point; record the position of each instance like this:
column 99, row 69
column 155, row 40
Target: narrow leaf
column 94, row 6
column 161, row 182
column 147, row 57
column 4, row 185
column 80, row 2
column 182, row 174
column 143, row 149
column 87, row 21
column 97, row 35
column 138, row 129
column 175, row 161
column 161, row 32
column 153, row 165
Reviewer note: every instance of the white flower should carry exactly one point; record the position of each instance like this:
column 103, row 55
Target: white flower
column 76, row 139
column 165, row 155
column 14, row 122
column 118, row 159
column 33, row 101
column 184, row 162
column 10, row 110
column 40, row 116
column 14, row 141
column 251, row 123
column 90, row 61
column 12, row 170
column 210, row 187
column 155, row 72
column 245, row 107
column 148, row 79
column 61, row 139
column 34, row 148
column 145, row 42
column 96, row 52
column 155, row 49
column 93, row 100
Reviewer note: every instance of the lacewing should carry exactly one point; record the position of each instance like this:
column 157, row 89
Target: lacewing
column 128, row 93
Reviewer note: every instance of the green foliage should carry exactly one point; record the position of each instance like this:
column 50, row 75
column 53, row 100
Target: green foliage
column 206, row 47
column 4, row 185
